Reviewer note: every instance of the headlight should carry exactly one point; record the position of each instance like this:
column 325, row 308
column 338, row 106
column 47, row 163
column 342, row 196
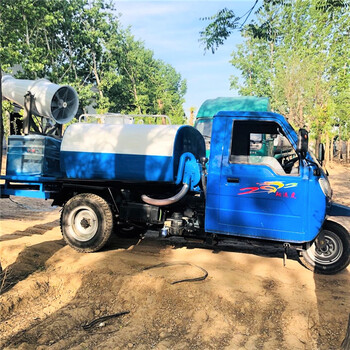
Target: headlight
column 325, row 187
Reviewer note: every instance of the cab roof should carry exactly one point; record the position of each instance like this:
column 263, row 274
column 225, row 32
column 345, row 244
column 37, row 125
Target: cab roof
column 211, row 107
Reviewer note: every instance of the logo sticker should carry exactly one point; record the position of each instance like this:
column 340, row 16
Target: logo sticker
column 271, row 187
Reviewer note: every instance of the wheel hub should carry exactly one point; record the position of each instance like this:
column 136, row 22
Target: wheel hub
column 84, row 223
column 327, row 249
column 330, row 251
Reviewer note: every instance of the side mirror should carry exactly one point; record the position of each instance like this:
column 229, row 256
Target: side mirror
column 321, row 152
column 303, row 142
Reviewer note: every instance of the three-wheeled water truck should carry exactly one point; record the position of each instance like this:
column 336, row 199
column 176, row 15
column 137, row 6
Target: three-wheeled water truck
column 131, row 178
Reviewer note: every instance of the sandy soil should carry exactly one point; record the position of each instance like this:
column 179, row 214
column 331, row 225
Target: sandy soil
column 248, row 301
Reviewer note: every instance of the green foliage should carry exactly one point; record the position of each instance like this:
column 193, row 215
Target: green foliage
column 297, row 55
column 221, row 27
column 81, row 43
column 225, row 22
column 7, row 108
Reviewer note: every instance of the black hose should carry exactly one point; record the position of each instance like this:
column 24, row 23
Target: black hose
column 204, row 183
column 195, row 279
column 103, row 318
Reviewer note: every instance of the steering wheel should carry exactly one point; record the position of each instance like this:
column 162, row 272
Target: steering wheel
column 287, row 166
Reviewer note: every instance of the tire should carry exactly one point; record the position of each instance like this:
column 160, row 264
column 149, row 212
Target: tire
column 335, row 257
column 87, row 222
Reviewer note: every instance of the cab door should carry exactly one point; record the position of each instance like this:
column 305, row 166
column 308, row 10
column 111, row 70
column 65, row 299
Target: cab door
column 261, row 196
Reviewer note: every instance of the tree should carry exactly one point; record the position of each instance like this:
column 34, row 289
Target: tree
column 296, row 53
column 142, row 84
column 297, row 56
column 225, row 21
column 81, row 43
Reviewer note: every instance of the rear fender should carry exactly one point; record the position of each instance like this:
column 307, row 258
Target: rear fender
column 335, row 209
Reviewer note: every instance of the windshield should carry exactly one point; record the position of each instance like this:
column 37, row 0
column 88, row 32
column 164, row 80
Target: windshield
column 204, row 127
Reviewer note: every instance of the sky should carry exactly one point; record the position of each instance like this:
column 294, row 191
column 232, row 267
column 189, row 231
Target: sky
column 171, row 30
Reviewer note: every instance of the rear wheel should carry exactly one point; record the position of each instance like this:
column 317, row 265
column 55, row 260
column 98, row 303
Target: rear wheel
column 86, row 222
column 333, row 256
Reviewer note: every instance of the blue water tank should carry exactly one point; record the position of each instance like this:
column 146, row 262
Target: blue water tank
column 131, row 153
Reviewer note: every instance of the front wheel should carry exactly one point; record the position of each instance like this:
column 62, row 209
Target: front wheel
column 333, row 256
column 86, row 222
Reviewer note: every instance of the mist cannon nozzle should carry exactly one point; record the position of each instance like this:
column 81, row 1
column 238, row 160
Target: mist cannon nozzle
column 50, row 100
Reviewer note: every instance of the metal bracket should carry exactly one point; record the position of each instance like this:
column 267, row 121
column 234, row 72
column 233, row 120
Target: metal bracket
column 286, row 246
column 320, row 240
column 28, row 104
column 211, row 239
column 40, row 125
column 114, row 203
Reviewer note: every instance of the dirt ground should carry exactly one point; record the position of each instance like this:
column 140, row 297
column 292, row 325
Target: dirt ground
column 248, row 301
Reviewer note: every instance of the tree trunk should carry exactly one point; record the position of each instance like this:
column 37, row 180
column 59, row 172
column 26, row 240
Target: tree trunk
column 134, row 90
column 137, row 99
column 272, row 47
column 332, row 149
column 98, row 82
column 191, row 116
column 327, row 155
column 317, row 143
column 1, row 122
column 339, row 143
column 72, row 61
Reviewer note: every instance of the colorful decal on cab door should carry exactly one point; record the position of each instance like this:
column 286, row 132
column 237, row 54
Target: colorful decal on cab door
column 272, row 187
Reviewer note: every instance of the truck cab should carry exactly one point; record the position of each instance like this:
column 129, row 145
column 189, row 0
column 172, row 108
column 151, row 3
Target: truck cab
column 275, row 195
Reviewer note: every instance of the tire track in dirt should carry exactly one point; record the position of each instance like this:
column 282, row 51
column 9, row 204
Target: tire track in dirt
column 39, row 229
